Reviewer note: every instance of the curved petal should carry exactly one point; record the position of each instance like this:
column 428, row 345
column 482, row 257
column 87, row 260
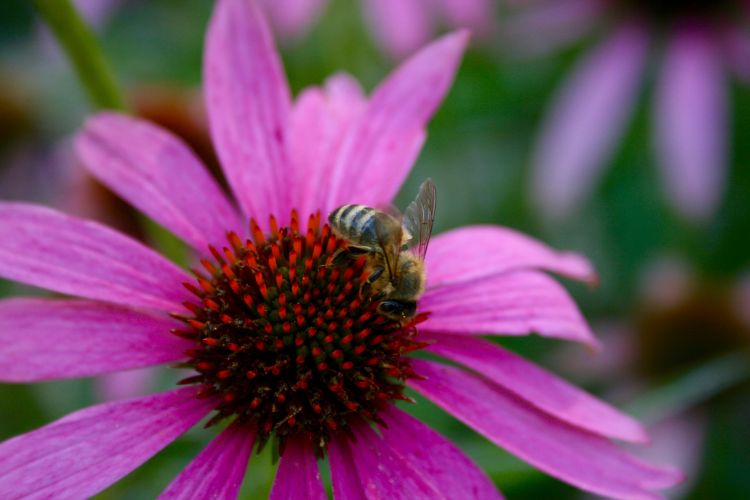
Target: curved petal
column 439, row 460
column 293, row 18
column 48, row 249
column 298, row 475
column 383, row 472
column 476, row 15
column 399, row 26
column 550, row 26
column 47, row 339
column 320, row 121
column 380, row 149
column 690, row 119
column 475, row 252
column 736, row 45
column 587, row 117
column 347, row 484
column 248, row 105
column 573, row 455
column 126, row 384
column 217, row 472
column 515, row 303
column 83, row 453
column 157, row 173
column 538, row 387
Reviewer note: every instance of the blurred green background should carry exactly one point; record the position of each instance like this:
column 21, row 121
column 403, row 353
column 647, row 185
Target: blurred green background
column 682, row 365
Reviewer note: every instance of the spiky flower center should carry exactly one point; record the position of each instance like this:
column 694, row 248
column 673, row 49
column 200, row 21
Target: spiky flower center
column 285, row 340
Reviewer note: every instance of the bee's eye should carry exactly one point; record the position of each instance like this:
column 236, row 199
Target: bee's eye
column 389, row 306
column 398, row 308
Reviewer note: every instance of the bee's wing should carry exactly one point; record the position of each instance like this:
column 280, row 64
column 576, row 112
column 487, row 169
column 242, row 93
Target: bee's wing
column 419, row 216
column 389, row 242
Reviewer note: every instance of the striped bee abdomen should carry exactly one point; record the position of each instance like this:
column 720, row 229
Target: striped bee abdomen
column 357, row 223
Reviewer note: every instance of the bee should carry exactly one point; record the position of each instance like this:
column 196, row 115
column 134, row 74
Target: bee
column 394, row 245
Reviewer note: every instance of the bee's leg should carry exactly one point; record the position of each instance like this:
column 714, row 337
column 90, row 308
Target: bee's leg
column 366, row 286
column 343, row 255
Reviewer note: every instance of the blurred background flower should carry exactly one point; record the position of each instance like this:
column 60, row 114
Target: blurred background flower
column 399, row 26
column 479, row 146
column 696, row 46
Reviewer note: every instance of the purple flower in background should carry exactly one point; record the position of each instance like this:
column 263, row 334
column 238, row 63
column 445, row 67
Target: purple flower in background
column 697, row 44
column 281, row 344
column 400, row 26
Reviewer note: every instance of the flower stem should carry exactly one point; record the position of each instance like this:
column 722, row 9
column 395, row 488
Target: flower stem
column 82, row 48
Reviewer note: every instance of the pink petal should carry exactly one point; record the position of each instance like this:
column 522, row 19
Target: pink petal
column 83, row 453
column 298, row 475
column 475, row 252
column 47, row 339
column 399, row 26
column 217, row 472
column 690, row 118
column 538, row 387
column 476, row 15
column 293, row 18
column 344, row 476
column 568, row 453
column 125, row 385
column 436, row 458
column 157, row 173
column 48, row 249
column 381, row 148
column 320, row 121
column 515, row 303
column 549, row 26
column 248, row 105
column 381, row 470
column 588, row 115
column 736, row 43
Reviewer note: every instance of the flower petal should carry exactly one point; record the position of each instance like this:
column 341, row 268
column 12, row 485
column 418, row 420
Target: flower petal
column 125, row 385
column 157, row 173
column 293, row 18
column 48, row 249
column 381, row 148
column 690, row 119
column 320, row 121
column 248, row 105
column 550, row 26
column 439, row 460
column 347, row 484
column 217, row 472
column 298, row 475
column 47, row 339
column 475, row 252
column 587, row 116
column 736, row 42
column 476, row 15
column 383, row 472
column 83, row 453
column 515, row 303
column 399, row 26
column 573, row 455
column 538, row 387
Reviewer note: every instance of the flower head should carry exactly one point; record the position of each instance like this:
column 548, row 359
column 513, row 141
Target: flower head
column 698, row 45
column 281, row 341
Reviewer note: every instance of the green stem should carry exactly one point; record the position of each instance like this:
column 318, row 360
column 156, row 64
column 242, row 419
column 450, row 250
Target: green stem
column 692, row 388
column 79, row 43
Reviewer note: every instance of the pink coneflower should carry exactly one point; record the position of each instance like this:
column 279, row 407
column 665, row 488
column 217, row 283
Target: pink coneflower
column 698, row 43
column 400, row 26
column 281, row 344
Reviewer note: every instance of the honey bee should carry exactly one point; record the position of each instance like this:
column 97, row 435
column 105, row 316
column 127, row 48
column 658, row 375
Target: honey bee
column 395, row 246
